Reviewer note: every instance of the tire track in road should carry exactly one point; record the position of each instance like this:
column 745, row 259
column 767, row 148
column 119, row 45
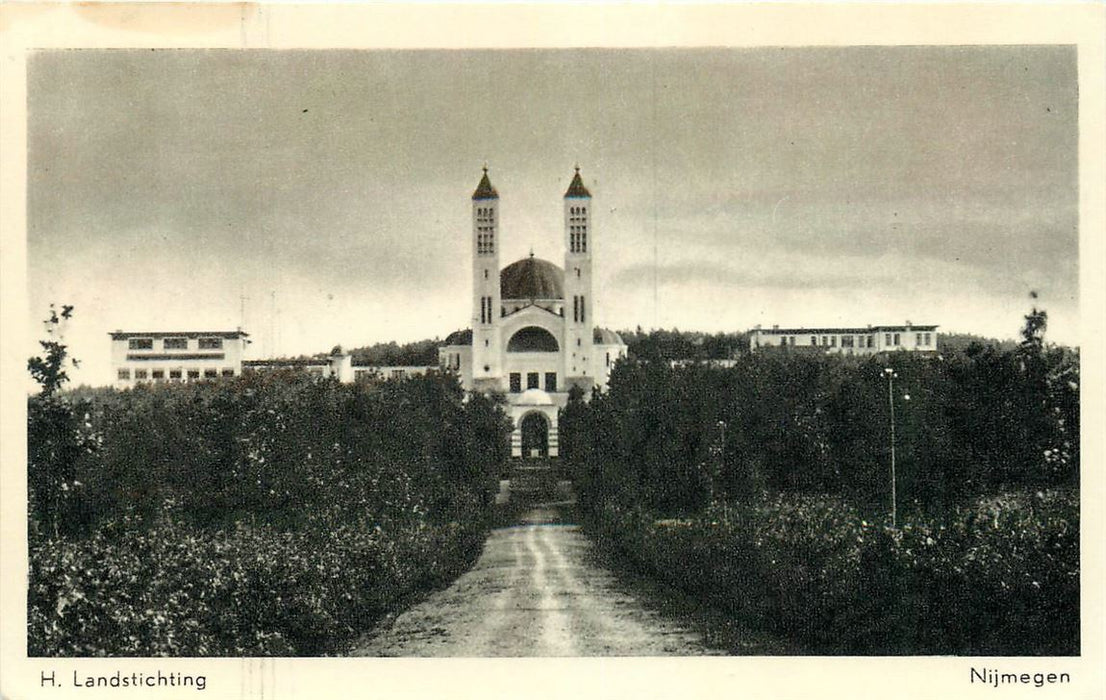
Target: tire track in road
column 487, row 636
column 535, row 591
column 556, row 639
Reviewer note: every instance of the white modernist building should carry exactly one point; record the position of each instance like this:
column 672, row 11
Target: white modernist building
column 847, row 341
column 533, row 336
column 174, row 356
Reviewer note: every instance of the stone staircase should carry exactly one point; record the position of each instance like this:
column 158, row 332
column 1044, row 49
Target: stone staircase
column 535, row 481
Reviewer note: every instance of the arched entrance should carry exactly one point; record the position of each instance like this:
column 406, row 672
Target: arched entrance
column 535, row 435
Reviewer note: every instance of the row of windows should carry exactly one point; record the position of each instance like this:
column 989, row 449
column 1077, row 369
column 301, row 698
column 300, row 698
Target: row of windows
column 485, row 213
column 485, row 243
column 577, row 211
column 579, row 310
column 486, row 310
column 860, row 341
column 174, row 343
column 847, row 341
column 532, row 381
column 174, row 374
column 578, row 242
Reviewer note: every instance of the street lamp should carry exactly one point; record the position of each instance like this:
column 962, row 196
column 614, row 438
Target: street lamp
column 715, row 469
column 891, row 377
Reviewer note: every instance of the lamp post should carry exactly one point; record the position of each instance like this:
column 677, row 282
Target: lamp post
column 714, row 470
column 891, row 377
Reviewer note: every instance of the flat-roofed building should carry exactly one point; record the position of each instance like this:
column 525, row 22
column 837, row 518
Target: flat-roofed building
column 846, row 341
column 175, row 356
column 339, row 366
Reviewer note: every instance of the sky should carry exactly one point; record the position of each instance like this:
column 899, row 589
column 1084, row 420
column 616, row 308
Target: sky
column 317, row 198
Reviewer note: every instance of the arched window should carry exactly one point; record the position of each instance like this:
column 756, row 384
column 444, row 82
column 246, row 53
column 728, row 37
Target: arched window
column 532, row 339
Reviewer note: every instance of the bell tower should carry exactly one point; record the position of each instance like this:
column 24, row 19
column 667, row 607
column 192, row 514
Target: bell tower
column 487, row 371
column 578, row 293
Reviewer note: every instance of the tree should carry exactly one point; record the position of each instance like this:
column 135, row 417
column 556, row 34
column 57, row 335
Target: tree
column 1033, row 333
column 49, row 369
column 56, row 438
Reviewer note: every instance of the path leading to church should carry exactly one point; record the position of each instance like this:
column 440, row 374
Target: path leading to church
column 537, row 590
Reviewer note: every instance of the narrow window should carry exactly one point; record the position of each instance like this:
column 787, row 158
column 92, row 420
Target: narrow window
column 886, row 338
column 583, row 311
column 551, row 381
column 516, row 382
column 896, row 339
column 813, row 340
column 927, row 339
column 531, row 380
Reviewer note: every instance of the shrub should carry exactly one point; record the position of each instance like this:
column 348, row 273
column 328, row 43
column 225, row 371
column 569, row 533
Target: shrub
column 268, row 515
column 998, row 577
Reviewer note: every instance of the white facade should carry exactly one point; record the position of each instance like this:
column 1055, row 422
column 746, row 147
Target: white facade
column 533, row 334
column 175, row 356
column 337, row 365
column 847, row 341
column 386, row 372
column 341, row 367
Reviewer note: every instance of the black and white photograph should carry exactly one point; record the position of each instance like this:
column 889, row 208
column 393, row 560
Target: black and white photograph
column 765, row 351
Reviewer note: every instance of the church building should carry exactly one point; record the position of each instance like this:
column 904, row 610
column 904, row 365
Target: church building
column 532, row 336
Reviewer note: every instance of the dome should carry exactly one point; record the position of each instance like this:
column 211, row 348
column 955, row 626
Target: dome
column 462, row 337
column 531, row 278
column 603, row 336
column 534, row 397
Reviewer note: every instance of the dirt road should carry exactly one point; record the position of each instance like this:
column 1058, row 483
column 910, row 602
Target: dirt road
column 535, row 591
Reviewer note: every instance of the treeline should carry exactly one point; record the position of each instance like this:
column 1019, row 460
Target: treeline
column 968, row 425
column 421, row 353
column 956, row 343
column 769, row 484
column 272, row 514
column 674, row 344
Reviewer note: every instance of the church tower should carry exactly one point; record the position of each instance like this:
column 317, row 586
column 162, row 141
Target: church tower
column 487, row 371
column 577, row 286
